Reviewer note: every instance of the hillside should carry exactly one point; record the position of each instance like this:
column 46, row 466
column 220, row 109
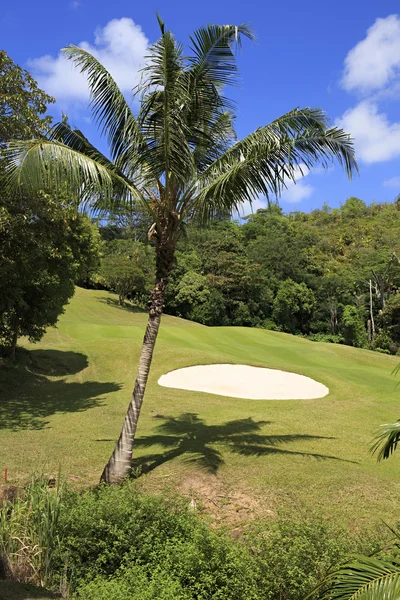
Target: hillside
column 236, row 458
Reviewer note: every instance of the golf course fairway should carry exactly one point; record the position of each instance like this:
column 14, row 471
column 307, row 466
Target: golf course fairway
column 236, row 458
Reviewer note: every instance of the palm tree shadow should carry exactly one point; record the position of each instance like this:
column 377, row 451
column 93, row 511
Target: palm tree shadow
column 188, row 436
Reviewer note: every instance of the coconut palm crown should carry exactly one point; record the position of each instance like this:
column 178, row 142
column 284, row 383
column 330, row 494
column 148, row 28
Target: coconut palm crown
column 177, row 158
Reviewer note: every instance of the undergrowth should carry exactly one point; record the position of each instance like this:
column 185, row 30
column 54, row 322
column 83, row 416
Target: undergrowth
column 115, row 543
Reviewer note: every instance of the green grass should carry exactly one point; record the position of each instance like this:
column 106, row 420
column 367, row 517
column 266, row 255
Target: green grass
column 238, row 458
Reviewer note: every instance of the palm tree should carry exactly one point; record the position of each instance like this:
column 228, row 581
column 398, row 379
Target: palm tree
column 178, row 159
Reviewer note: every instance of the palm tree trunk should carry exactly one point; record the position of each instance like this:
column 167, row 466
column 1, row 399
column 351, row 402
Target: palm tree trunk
column 120, row 462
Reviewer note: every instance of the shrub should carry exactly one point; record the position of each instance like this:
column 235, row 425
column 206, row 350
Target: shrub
column 353, row 325
column 134, row 584
column 384, row 343
column 295, row 556
column 29, row 531
column 326, row 337
column 115, row 530
column 116, row 543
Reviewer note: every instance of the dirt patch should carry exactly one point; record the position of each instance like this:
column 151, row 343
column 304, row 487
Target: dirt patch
column 226, row 505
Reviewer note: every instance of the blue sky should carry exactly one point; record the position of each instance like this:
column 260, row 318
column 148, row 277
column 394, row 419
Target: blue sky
column 342, row 56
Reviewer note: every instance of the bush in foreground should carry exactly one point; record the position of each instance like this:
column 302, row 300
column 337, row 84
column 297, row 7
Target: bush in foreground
column 115, row 543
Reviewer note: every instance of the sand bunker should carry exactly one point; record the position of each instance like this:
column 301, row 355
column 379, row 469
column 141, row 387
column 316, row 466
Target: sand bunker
column 243, row 381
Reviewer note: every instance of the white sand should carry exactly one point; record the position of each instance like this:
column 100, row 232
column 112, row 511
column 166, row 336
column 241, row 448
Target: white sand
column 243, row 381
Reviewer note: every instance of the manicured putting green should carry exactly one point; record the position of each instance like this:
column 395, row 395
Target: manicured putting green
column 244, row 381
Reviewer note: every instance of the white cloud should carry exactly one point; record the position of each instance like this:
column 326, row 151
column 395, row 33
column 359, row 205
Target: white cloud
column 394, row 182
column 375, row 61
column 375, row 138
column 247, row 209
column 75, row 4
column 293, row 193
column 296, row 192
column 120, row 46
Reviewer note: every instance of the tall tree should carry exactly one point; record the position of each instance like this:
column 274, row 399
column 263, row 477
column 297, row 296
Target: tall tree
column 22, row 103
column 178, row 158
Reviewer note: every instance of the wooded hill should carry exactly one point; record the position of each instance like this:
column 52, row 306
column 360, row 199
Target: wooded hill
column 331, row 274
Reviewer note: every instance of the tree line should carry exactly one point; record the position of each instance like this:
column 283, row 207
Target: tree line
column 332, row 274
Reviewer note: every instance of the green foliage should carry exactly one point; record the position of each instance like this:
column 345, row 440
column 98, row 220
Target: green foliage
column 353, row 324
column 389, row 321
column 45, row 247
column 386, row 440
column 326, row 337
column 127, row 268
column 29, row 531
column 117, row 532
column 297, row 554
column 134, row 583
column 230, row 289
column 113, row 543
column 22, row 103
column 293, row 306
column 365, row 578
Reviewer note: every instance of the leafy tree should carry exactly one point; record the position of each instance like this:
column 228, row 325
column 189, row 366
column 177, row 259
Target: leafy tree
column 293, row 306
column 22, row 103
column 192, row 295
column 178, row 158
column 45, row 247
column 128, row 269
column 353, row 324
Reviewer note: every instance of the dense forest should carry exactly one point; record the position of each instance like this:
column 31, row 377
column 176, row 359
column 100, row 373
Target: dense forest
column 332, row 274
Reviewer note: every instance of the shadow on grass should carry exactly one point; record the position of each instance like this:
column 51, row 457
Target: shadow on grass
column 190, row 437
column 133, row 308
column 24, row 591
column 28, row 396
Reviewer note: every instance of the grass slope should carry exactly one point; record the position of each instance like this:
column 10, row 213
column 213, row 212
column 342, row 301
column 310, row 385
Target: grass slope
column 238, row 458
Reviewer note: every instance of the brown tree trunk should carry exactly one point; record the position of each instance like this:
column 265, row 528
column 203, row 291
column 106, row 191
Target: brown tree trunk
column 120, row 463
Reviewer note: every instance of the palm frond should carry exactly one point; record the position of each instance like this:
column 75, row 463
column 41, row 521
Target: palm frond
column 109, row 107
column 366, row 578
column 386, row 440
column 213, row 51
column 264, row 161
column 160, row 118
column 50, row 165
column 74, row 139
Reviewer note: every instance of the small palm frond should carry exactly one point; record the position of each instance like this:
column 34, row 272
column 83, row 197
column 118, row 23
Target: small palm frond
column 366, row 578
column 213, row 51
column 386, row 440
column 109, row 107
